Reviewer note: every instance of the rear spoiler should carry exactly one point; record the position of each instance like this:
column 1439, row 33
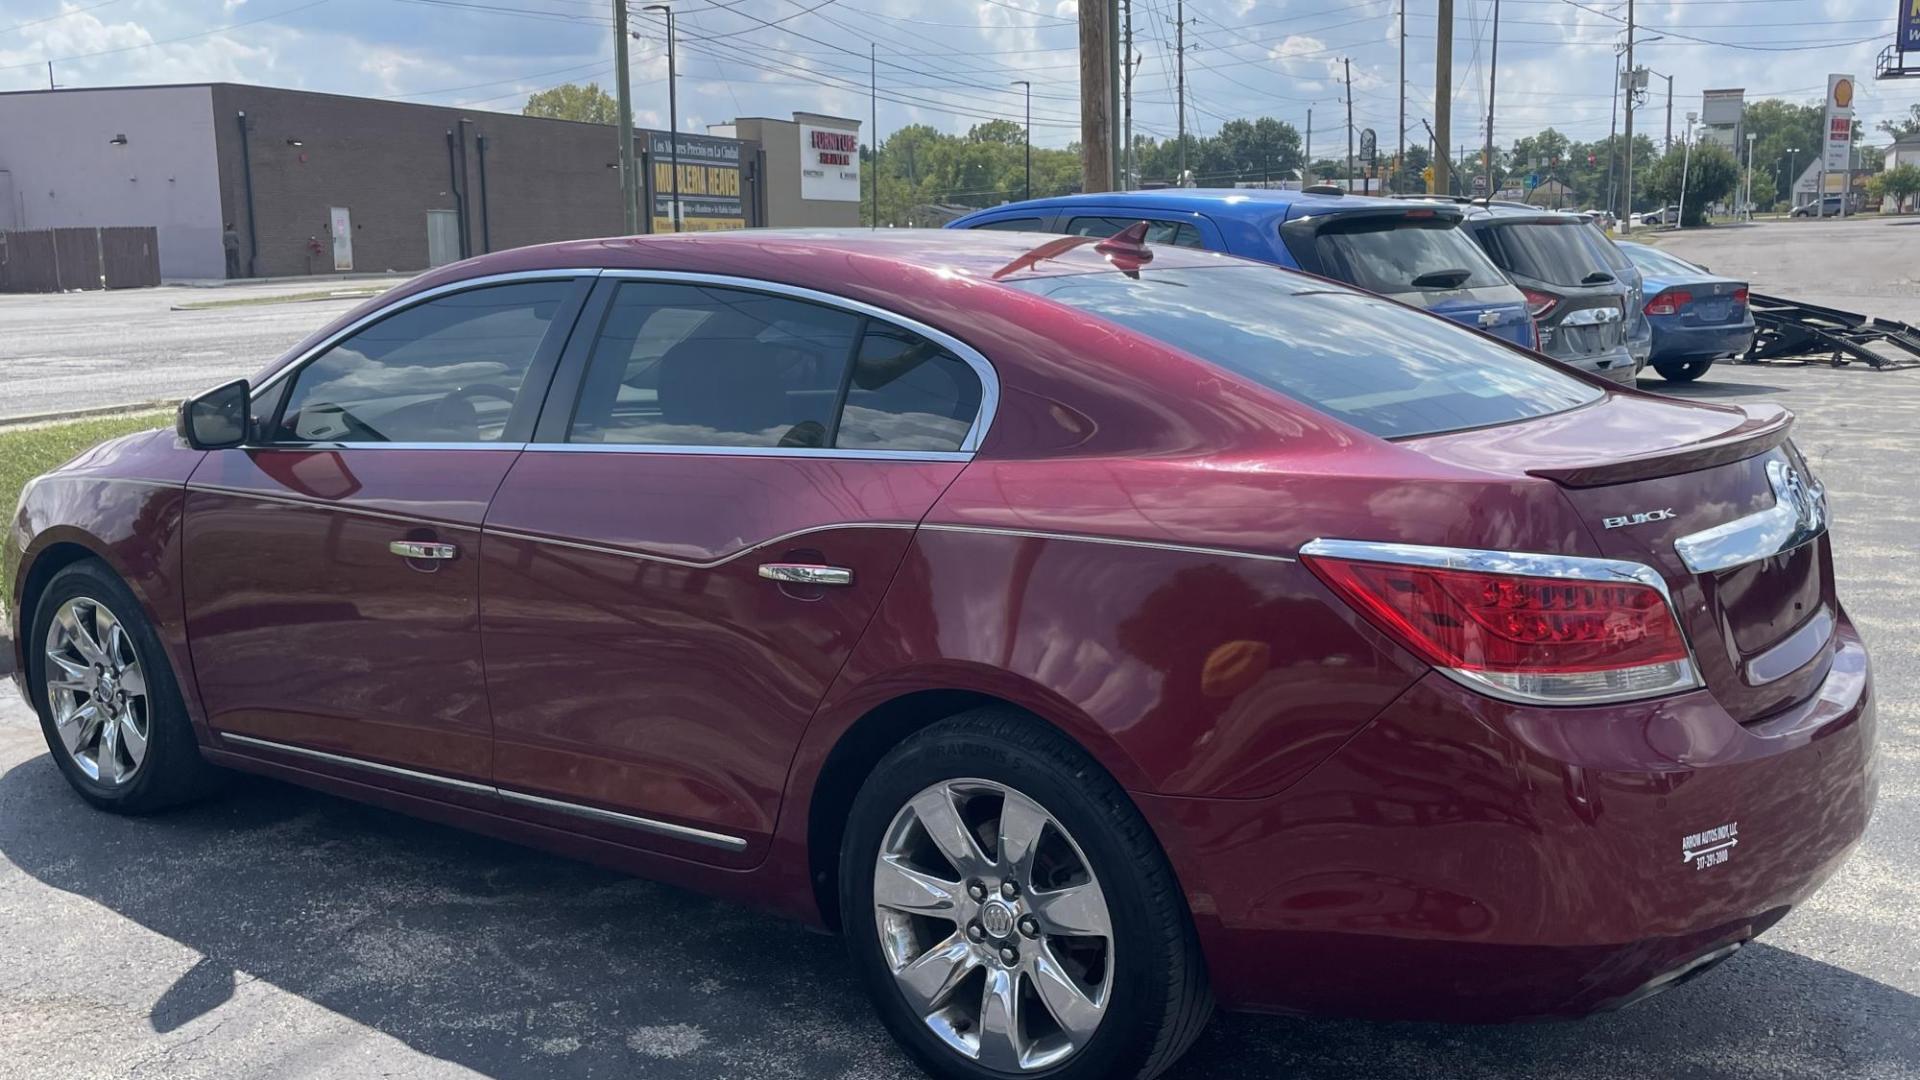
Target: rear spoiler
column 1763, row 428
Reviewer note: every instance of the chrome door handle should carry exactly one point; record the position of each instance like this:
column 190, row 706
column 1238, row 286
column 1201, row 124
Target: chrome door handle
column 806, row 573
column 422, row 549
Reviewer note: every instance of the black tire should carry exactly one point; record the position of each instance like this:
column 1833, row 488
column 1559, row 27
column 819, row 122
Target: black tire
column 1683, row 372
column 1159, row 999
column 172, row 771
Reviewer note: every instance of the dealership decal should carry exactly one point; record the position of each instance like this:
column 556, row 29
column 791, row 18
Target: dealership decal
column 1710, row 848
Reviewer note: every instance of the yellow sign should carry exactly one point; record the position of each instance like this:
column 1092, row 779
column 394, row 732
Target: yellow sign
column 697, row 179
column 689, row 223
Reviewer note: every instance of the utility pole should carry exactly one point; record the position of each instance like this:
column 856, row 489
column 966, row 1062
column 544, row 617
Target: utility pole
column 50, row 85
column 1180, row 98
column 1443, row 92
column 1096, row 96
column 1308, row 167
column 1668, row 145
column 1749, row 199
column 1613, row 133
column 873, row 138
column 1126, row 97
column 1027, row 188
column 623, row 89
column 1493, row 76
column 673, row 113
column 1400, row 143
column 1626, row 219
column 1348, row 64
column 1114, row 149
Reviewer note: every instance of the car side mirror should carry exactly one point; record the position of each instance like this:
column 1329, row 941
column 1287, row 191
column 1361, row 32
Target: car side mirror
column 216, row 419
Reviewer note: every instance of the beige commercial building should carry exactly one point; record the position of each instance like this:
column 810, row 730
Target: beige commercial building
column 812, row 167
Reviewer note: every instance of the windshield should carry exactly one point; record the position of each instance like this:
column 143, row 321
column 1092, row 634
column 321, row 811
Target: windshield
column 1555, row 252
column 1378, row 365
column 1655, row 261
column 1395, row 254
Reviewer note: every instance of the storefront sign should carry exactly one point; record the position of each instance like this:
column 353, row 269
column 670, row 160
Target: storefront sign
column 709, row 174
column 829, row 164
column 1909, row 39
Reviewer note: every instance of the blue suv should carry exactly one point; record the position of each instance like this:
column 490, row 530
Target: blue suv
column 1412, row 252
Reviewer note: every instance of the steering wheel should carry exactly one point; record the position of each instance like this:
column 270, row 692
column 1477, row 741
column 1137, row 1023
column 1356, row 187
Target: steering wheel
column 455, row 412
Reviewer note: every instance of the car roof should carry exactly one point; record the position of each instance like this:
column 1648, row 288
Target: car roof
column 794, row 254
column 1250, row 202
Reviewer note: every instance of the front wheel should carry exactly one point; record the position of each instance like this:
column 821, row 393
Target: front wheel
column 1684, row 372
column 1012, row 914
column 109, row 706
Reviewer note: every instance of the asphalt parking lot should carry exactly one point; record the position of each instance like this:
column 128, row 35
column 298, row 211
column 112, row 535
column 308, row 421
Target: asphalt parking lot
column 282, row 933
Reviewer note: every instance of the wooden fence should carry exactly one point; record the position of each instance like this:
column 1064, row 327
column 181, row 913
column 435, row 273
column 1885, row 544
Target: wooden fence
column 58, row 260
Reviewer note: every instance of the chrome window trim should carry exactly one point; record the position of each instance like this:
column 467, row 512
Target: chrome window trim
column 972, row 357
column 1528, row 564
column 1111, row 541
column 421, row 297
column 632, row 821
column 827, row 452
column 1798, row 515
column 336, row 446
column 691, row 564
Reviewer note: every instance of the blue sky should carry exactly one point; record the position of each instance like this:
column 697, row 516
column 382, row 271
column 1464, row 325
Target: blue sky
column 950, row 63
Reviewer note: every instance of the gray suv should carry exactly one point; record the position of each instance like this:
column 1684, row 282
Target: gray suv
column 1584, row 294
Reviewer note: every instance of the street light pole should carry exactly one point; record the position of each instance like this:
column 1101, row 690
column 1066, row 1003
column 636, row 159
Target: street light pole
column 1027, row 189
column 673, row 114
column 1686, row 161
column 1750, row 137
column 1793, row 179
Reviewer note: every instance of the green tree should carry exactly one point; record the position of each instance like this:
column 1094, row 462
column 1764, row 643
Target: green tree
column 1710, row 176
column 1896, row 185
column 1905, row 125
column 571, row 101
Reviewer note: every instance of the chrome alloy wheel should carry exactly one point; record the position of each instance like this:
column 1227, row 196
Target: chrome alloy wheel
column 993, row 924
column 98, row 691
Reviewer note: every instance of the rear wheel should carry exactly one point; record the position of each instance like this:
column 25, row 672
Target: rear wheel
column 1011, row 913
column 1685, row 371
column 109, row 707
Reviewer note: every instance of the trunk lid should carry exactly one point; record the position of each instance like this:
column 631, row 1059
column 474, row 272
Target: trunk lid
column 1713, row 498
column 1712, row 303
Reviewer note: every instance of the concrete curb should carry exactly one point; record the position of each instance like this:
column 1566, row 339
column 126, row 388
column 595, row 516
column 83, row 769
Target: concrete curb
column 82, row 414
column 225, row 283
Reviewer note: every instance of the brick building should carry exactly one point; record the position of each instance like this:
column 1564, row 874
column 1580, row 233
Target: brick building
column 309, row 183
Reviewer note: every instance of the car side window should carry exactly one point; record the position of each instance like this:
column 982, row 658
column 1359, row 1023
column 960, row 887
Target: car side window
column 702, row 365
column 446, row 370
column 1017, row 224
column 1176, row 233
column 907, row 393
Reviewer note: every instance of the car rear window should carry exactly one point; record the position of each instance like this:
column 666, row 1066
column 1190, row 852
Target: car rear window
column 1555, row 252
column 1394, row 254
column 1655, row 261
column 1375, row 364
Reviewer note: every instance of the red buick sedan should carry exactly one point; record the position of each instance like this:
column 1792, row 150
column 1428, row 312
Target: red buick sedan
column 1087, row 631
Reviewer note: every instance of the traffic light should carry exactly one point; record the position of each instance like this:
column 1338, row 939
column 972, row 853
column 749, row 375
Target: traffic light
column 1426, row 174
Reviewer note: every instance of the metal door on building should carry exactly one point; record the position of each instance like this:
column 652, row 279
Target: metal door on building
column 443, row 237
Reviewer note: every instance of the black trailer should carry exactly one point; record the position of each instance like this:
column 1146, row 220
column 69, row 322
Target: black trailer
column 1790, row 330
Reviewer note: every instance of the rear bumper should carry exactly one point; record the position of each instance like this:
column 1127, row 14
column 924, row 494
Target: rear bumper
column 1675, row 341
column 1617, row 364
column 1469, row 860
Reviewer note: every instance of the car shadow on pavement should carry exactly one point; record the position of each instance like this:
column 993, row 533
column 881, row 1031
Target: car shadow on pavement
column 516, row 964
column 1707, row 389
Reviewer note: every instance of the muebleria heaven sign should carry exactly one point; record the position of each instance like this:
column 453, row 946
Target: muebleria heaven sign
column 829, row 164
column 709, row 171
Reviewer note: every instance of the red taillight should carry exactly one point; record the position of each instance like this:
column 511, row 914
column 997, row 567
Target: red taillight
column 1670, row 302
column 1539, row 638
column 1740, row 296
column 1539, row 304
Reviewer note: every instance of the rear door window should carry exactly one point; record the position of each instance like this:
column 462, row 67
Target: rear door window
column 1551, row 251
column 1013, row 224
column 1176, row 233
column 1373, row 363
column 1394, row 254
